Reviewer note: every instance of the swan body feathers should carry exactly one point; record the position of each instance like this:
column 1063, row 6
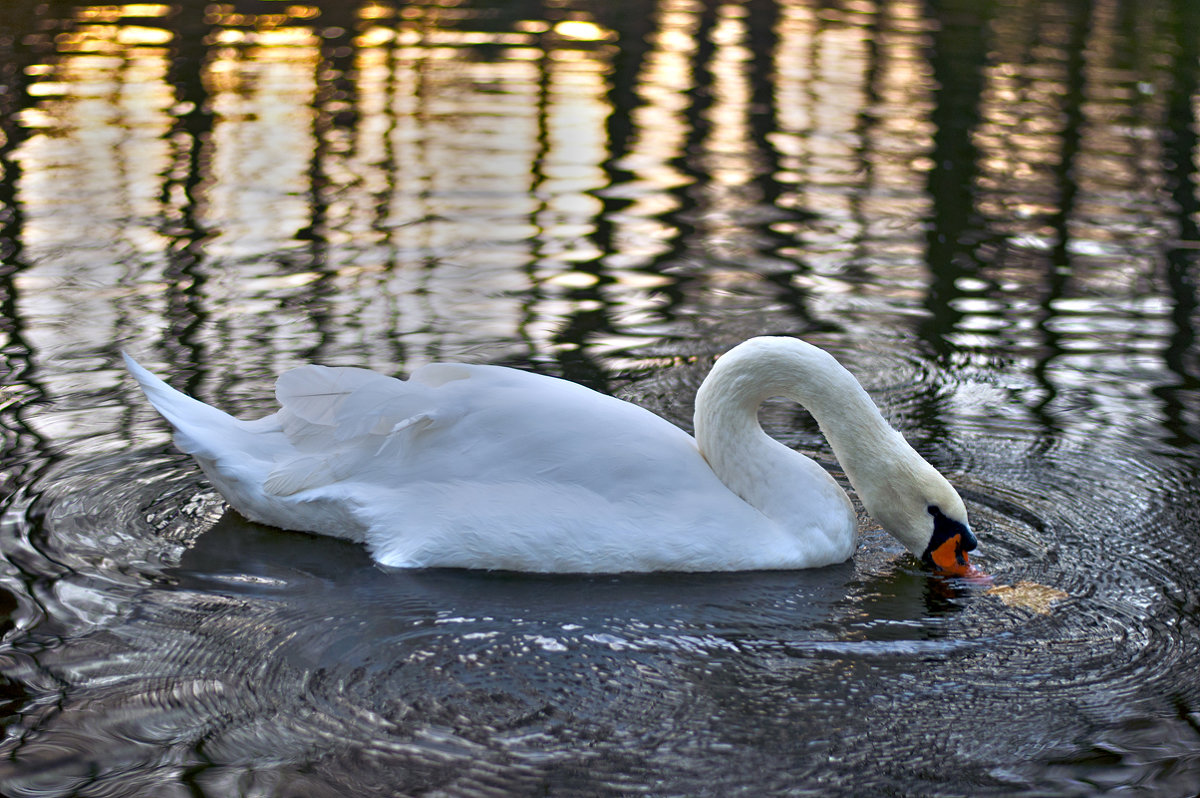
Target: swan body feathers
column 479, row 466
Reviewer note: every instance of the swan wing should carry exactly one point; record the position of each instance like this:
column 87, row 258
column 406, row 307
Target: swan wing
column 338, row 420
column 474, row 425
column 505, row 426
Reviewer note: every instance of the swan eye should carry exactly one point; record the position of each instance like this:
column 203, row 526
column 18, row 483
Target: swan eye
column 949, row 544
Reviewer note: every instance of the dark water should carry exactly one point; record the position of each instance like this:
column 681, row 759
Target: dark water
column 987, row 210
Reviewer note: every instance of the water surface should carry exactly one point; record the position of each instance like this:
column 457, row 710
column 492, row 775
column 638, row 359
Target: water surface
column 986, row 210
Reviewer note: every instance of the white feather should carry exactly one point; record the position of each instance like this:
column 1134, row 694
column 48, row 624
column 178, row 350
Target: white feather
column 489, row 467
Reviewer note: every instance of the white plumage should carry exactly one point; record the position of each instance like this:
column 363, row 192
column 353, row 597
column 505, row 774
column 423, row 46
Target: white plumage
column 490, row 467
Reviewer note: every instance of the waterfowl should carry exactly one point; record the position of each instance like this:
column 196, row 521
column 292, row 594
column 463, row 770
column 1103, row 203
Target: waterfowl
column 477, row 466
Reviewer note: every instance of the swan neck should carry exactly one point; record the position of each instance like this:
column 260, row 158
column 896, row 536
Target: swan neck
column 896, row 485
column 728, row 402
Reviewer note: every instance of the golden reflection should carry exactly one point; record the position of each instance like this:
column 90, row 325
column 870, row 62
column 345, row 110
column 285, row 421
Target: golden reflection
column 376, row 11
column 303, row 12
column 372, row 38
column 569, row 174
column 109, row 39
column 457, row 177
column 262, row 145
column 660, row 131
column 853, row 94
column 436, row 190
column 102, row 116
column 1063, row 158
column 116, row 13
column 820, row 94
column 729, row 146
column 579, row 30
column 227, row 15
column 266, row 37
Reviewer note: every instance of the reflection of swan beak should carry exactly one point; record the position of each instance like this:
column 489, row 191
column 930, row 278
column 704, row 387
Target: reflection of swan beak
column 951, row 554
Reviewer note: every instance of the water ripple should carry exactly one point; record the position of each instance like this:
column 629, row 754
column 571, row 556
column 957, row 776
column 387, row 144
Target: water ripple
column 190, row 646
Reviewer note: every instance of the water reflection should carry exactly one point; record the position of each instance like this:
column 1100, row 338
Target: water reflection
column 277, row 170
column 987, row 209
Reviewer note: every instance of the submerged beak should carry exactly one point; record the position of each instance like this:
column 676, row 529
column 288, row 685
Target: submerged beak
column 951, row 556
column 947, row 550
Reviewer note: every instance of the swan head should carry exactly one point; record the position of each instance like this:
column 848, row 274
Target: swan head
column 916, row 504
column 948, row 546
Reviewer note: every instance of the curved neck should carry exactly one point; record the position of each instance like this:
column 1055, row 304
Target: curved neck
column 726, row 419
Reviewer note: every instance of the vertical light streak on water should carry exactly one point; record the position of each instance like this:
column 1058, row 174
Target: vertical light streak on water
column 729, row 156
column 1181, row 137
column 478, row 140
column 1113, row 313
column 379, row 165
column 399, row 293
column 570, row 307
column 262, row 92
column 660, row 129
column 897, row 137
column 854, row 96
column 570, row 170
column 257, row 200
column 460, row 135
column 821, row 94
column 102, row 116
column 1068, row 184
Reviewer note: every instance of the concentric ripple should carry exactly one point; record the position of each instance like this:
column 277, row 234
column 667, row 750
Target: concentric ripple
column 173, row 643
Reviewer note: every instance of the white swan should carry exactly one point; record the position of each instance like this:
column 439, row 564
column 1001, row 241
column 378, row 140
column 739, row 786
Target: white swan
column 490, row 467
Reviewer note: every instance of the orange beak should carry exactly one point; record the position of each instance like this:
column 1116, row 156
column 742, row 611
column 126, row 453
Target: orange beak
column 949, row 544
column 951, row 557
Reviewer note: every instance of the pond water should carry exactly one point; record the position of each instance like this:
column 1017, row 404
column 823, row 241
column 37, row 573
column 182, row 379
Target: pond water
column 986, row 209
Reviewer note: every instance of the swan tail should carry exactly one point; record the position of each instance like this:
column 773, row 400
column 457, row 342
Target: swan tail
column 238, row 457
column 196, row 424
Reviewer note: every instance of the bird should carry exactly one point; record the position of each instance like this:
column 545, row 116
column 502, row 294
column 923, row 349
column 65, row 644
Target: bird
column 489, row 467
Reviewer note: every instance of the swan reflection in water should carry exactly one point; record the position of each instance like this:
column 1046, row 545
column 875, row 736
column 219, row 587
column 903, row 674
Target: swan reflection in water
column 263, row 645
